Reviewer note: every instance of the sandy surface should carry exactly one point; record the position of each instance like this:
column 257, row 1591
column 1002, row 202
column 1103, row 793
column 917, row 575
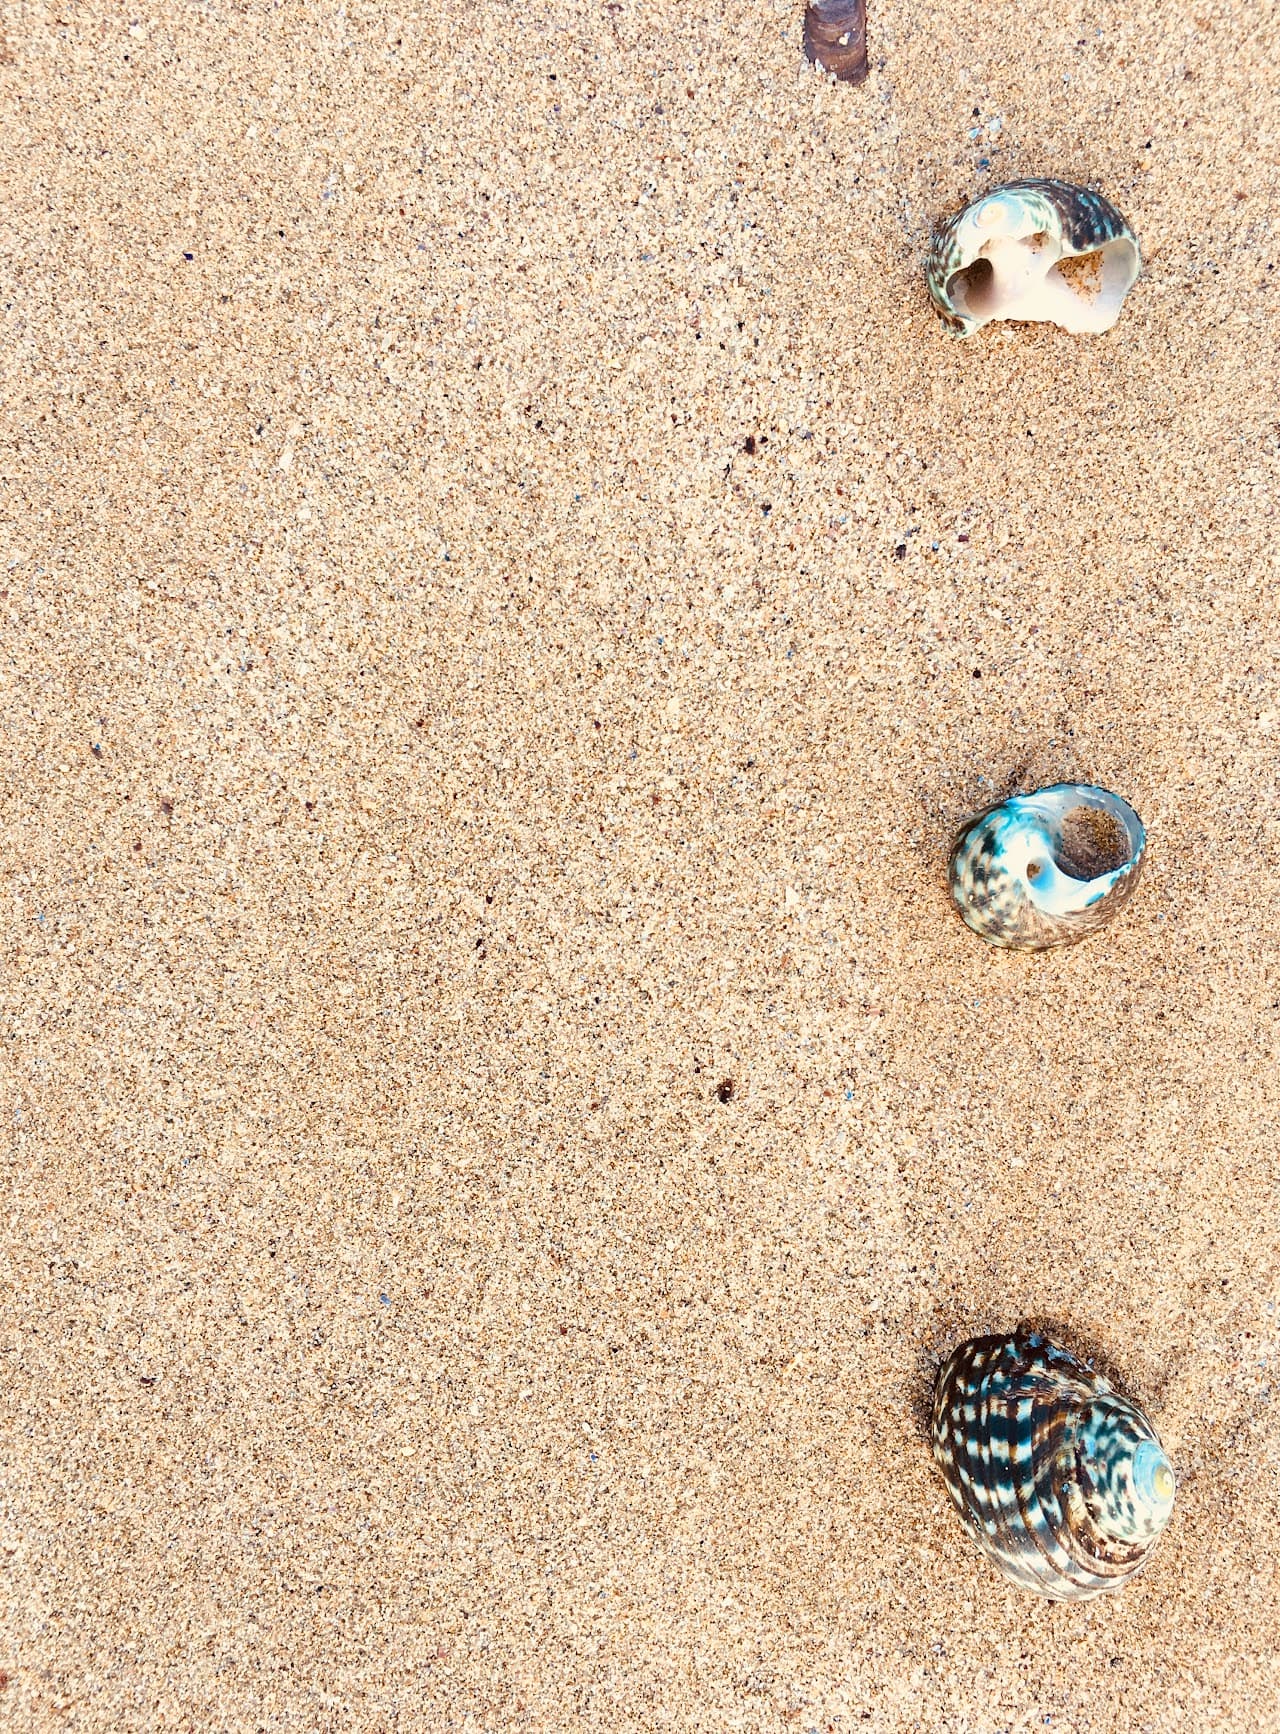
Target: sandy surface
column 507, row 592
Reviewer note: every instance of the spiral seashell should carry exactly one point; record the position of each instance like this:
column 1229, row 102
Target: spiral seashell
column 1033, row 250
column 1049, row 868
column 1062, row 1482
column 835, row 37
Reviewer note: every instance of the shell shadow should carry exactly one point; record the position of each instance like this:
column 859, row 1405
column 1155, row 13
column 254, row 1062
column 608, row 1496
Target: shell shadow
column 943, row 809
column 921, row 1380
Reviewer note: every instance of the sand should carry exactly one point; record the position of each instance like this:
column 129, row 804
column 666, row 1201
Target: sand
column 508, row 592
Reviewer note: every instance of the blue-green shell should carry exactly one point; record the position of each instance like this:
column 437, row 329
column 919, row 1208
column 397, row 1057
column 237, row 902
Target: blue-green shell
column 1060, row 1481
column 1048, row 868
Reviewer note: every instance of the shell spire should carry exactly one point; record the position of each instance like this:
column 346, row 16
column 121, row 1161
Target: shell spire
column 1060, row 1481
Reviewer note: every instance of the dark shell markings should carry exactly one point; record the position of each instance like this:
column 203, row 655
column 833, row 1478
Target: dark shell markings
column 1059, row 1480
column 1035, row 250
column 1048, row 868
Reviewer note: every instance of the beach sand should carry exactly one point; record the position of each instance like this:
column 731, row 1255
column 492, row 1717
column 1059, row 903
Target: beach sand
column 508, row 591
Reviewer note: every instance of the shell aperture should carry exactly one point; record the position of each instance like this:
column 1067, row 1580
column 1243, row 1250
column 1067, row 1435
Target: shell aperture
column 1035, row 250
column 1047, row 868
column 1059, row 1480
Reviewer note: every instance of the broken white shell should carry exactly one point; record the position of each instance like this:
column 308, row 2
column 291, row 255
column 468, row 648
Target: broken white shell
column 1034, row 249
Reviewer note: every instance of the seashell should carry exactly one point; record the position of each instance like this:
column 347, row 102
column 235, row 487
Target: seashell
column 835, row 37
column 1049, row 868
column 1062, row 1482
column 1033, row 250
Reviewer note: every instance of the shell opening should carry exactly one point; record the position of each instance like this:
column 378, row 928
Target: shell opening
column 1001, row 271
column 1097, row 282
column 1002, row 277
column 1091, row 842
column 1082, row 274
column 972, row 292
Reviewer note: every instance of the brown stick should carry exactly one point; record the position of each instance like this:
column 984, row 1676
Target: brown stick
column 835, row 37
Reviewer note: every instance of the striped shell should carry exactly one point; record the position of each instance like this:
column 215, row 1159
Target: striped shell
column 1033, row 250
column 1062, row 1483
column 1048, row 868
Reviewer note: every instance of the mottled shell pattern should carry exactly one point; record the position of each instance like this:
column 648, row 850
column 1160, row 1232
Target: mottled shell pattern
column 1048, row 868
column 1062, row 1482
column 1036, row 249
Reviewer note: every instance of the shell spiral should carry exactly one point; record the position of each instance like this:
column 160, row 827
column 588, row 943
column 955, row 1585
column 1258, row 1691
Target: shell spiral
column 1060, row 1481
column 1035, row 249
column 1048, row 868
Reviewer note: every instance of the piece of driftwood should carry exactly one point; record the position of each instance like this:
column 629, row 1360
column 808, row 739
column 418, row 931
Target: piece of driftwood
column 835, row 37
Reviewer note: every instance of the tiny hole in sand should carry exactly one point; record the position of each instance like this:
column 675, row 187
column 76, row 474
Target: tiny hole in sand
column 1092, row 843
